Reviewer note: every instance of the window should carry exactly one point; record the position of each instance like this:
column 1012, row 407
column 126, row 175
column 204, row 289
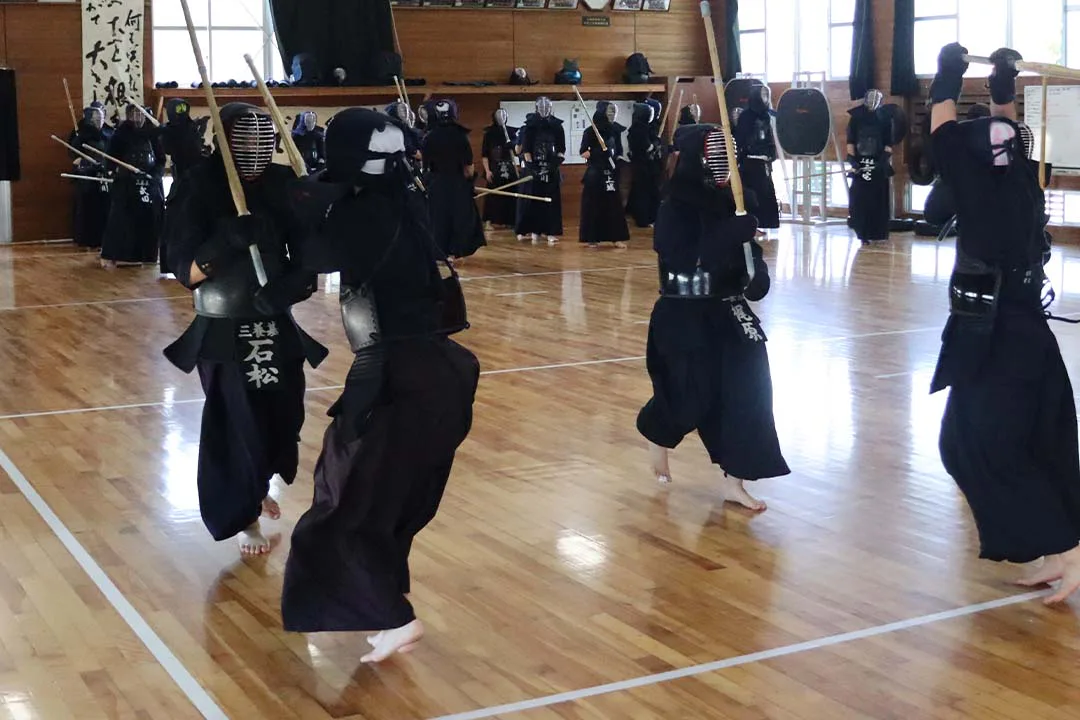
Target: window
column 1072, row 32
column 226, row 30
column 1036, row 28
column 779, row 38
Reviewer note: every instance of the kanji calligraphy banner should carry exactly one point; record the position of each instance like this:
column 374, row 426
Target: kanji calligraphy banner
column 112, row 53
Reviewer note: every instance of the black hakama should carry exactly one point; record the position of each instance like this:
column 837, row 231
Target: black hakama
column 135, row 215
column 378, row 483
column 643, row 201
column 758, row 179
column 92, row 204
column 535, row 217
column 455, row 220
column 498, row 149
column 871, row 208
column 710, row 374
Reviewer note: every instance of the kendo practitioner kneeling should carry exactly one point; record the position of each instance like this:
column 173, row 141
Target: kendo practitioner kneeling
column 870, row 156
column 249, row 351
column 603, row 218
column 706, row 352
column 1009, row 432
column 500, row 168
column 646, row 151
column 137, row 200
column 543, row 146
column 757, row 152
column 407, row 402
column 448, row 162
column 92, row 199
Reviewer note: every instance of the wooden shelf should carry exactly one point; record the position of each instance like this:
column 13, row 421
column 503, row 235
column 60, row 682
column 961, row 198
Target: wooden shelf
column 346, row 95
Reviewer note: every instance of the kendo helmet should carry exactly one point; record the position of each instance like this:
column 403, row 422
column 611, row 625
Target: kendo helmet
column 309, row 119
column 873, row 100
column 996, row 141
column 402, row 112
column 362, row 142
column 501, row 117
column 94, row 116
column 446, row 111
column 177, row 108
column 252, row 138
column 702, row 155
column 543, row 106
column 657, row 108
column 607, row 110
column 761, row 97
column 133, row 115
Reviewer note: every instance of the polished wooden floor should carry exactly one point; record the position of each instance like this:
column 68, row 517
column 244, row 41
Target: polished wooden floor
column 556, row 565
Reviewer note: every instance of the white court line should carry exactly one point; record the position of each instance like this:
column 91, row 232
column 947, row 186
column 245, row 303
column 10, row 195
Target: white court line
column 506, row 371
column 896, row 375
column 184, row 679
column 556, row 272
column 163, row 298
column 757, row 657
column 528, row 292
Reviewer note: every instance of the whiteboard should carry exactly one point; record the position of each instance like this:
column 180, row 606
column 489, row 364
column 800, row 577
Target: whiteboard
column 575, row 120
column 1063, row 125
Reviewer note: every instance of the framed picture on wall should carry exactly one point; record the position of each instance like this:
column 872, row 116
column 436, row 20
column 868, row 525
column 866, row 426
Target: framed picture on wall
column 562, row 4
column 499, row 3
column 657, row 5
column 627, row 5
column 404, row 3
column 531, row 4
column 596, row 4
column 438, row 3
column 469, row 3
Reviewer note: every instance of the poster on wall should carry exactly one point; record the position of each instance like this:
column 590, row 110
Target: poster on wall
column 657, row 5
column 627, row 5
column 531, row 4
column 112, row 39
column 499, row 3
column 562, row 4
column 469, row 3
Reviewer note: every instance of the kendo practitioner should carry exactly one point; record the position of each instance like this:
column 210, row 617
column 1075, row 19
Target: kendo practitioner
column 406, row 406
column 706, row 351
column 137, row 198
column 543, row 146
column 690, row 115
column 1009, row 432
column 182, row 138
column 449, row 176
column 92, row 198
column 244, row 342
column 603, row 218
column 757, row 152
column 870, row 157
column 310, row 140
column 646, row 158
column 403, row 116
column 500, row 168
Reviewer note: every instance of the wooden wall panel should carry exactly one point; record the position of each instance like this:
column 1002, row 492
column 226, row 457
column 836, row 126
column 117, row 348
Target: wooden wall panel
column 457, row 45
column 44, row 45
column 674, row 41
column 543, row 40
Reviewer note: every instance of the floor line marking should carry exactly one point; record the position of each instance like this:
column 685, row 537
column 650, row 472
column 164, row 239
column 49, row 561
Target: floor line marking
column 120, row 301
column 555, row 272
column 757, row 657
column 506, row 371
column 157, row 647
column 527, row 292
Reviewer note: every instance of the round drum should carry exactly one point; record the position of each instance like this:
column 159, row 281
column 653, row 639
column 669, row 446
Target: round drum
column 803, row 122
column 737, row 92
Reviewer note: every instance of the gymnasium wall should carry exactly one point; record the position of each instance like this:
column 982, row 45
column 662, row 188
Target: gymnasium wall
column 42, row 42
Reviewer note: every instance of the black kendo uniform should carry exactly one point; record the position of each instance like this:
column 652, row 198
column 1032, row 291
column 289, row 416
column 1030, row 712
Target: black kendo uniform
column 871, row 168
column 646, row 156
column 603, row 218
column 244, row 342
column 455, row 219
column 940, row 205
column 757, row 152
column 182, row 138
column 543, row 146
column 1009, row 432
column 706, row 352
column 498, row 149
column 137, row 200
column 92, row 199
column 310, row 141
column 690, row 115
column 407, row 402
column 405, row 119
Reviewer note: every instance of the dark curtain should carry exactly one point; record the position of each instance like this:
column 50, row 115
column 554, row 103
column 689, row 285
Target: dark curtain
column 732, row 50
column 862, row 50
column 904, row 82
column 9, row 127
column 350, row 34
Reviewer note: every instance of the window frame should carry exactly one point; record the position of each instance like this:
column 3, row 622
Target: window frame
column 829, row 26
column 270, row 46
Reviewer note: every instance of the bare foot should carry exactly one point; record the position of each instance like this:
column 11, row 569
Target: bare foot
column 535, row 238
column 252, row 542
column 553, row 240
column 399, row 640
column 1043, row 572
column 658, row 456
column 1070, row 578
column 732, row 491
column 270, row 508
column 621, row 245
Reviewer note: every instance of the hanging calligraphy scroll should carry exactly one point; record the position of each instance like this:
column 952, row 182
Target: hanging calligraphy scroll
column 112, row 32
